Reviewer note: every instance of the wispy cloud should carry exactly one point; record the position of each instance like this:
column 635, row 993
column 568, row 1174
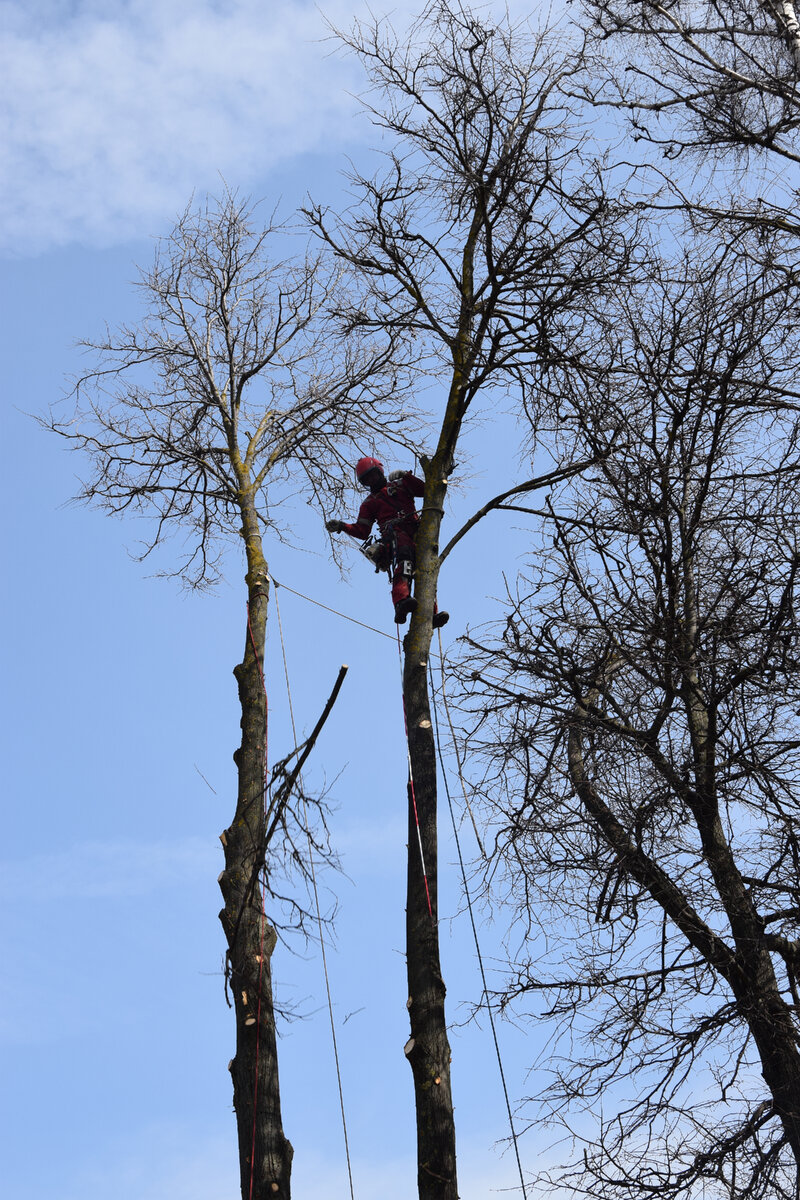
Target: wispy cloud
column 115, row 112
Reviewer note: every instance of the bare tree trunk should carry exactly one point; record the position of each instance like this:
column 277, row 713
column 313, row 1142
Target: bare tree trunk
column 761, row 1005
column 748, row 971
column 265, row 1155
column 753, row 982
column 250, row 381
column 513, row 227
column 428, row 1049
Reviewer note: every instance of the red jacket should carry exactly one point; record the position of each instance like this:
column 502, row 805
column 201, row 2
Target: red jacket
column 392, row 507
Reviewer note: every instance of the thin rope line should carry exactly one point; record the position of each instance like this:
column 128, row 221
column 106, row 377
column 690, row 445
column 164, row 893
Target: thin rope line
column 316, row 903
column 345, row 617
column 335, row 611
column 411, row 779
column 455, row 751
column 372, row 629
column 263, row 911
column 475, row 932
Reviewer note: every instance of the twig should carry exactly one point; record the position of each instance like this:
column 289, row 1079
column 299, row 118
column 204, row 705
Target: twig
column 307, row 748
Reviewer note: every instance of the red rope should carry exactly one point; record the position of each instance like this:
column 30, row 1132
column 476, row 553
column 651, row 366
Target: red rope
column 263, row 912
column 411, row 780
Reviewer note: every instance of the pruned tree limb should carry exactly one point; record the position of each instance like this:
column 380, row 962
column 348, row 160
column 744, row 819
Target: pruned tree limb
column 531, row 485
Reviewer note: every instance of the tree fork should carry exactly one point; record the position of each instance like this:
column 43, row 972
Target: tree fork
column 265, row 1155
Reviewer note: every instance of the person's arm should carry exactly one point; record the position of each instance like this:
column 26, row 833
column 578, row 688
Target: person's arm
column 360, row 528
column 415, row 486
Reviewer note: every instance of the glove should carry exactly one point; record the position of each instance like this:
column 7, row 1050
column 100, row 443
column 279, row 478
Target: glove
column 397, row 475
column 334, row 526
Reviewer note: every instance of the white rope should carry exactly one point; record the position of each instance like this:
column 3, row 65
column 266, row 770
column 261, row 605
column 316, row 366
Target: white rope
column 316, row 900
column 486, row 1000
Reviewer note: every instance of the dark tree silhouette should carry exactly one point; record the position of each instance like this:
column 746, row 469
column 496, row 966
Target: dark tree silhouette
column 712, row 87
column 640, row 712
column 723, row 72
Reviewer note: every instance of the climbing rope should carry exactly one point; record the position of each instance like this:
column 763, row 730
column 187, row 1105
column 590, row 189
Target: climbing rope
column 346, row 617
column 467, row 893
column 263, row 910
column 335, row 611
column 455, row 750
column 316, row 897
column 470, row 908
column 411, row 781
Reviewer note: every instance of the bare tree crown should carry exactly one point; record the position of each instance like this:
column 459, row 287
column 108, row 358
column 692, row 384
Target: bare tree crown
column 235, row 379
column 487, row 211
column 644, row 701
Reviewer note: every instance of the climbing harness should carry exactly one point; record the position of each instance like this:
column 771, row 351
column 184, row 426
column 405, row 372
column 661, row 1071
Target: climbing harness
column 384, row 551
column 316, row 903
column 403, row 560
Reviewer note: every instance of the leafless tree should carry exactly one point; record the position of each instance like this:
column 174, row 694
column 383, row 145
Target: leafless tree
column 236, row 385
column 487, row 221
column 714, row 82
column 638, row 713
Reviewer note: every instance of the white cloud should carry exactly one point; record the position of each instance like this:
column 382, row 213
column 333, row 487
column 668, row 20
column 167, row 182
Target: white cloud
column 114, row 113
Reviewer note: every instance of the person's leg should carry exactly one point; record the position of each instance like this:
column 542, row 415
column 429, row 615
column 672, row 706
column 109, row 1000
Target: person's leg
column 402, row 574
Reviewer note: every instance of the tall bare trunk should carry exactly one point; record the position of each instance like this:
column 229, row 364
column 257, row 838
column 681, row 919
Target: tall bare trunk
column 265, row 1155
column 428, row 1049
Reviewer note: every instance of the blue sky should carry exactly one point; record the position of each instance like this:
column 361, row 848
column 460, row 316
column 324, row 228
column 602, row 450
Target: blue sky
column 114, row 1030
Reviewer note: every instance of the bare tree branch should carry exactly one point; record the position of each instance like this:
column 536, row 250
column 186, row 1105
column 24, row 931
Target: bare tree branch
column 648, row 670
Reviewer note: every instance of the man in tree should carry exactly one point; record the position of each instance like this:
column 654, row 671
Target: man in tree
column 391, row 505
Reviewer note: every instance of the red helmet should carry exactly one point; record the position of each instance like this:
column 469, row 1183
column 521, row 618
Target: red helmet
column 364, row 465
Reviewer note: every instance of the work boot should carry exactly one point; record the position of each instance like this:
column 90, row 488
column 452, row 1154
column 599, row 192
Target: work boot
column 440, row 618
column 403, row 608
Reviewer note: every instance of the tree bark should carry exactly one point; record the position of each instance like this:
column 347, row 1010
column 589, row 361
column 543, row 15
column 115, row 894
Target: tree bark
column 265, row 1155
column 754, row 982
column 428, row 1049
column 748, row 971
